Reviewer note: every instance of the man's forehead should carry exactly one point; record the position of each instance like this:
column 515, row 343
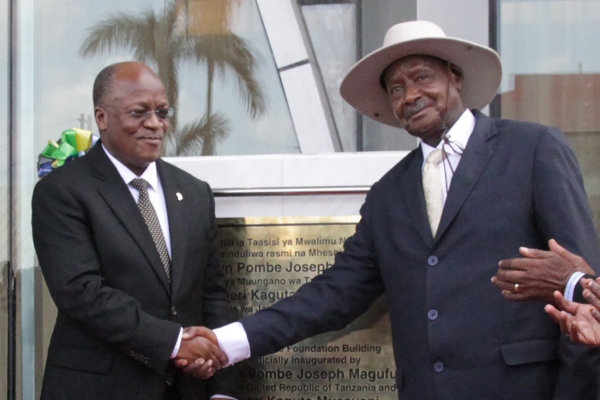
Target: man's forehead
column 131, row 81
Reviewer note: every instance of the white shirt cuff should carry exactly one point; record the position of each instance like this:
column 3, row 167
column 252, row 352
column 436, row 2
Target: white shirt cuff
column 222, row 396
column 573, row 280
column 233, row 342
column 177, row 345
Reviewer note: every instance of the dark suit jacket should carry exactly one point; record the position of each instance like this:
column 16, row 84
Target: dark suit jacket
column 454, row 335
column 118, row 316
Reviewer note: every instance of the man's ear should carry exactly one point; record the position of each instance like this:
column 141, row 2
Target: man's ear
column 101, row 118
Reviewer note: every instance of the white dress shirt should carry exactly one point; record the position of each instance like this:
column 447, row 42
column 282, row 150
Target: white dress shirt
column 459, row 135
column 233, row 339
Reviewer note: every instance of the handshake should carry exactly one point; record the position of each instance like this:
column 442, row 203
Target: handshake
column 199, row 353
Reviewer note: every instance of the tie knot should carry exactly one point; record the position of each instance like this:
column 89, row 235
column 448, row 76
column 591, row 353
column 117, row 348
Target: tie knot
column 140, row 184
column 435, row 157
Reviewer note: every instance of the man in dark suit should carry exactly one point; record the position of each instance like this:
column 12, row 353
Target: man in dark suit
column 127, row 277
column 434, row 228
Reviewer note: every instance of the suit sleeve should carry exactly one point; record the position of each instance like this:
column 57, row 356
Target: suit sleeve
column 563, row 213
column 329, row 302
column 65, row 248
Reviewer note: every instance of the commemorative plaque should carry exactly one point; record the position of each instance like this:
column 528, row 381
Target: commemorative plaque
column 268, row 259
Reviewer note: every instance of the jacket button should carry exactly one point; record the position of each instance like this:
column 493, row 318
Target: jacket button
column 432, row 315
column 438, row 366
column 174, row 310
column 432, row 260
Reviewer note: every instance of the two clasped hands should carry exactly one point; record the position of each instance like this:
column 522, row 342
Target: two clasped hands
column 199, row 353
column 542, row 275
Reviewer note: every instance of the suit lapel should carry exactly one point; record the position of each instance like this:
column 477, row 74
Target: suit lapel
column 412, row 191
column 115, row 192
column 478, row 152
column 175, row 200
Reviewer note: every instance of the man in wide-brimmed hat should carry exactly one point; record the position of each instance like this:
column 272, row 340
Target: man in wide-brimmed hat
column 427, row 108
column 434, row 228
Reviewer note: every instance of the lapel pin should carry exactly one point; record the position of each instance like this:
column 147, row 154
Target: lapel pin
column 179, row 196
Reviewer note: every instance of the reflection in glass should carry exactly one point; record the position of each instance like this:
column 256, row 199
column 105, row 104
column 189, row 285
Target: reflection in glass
column 217, row 64
column 552, row 74
column 212, row 55
column 162, row 39
column 332, row 31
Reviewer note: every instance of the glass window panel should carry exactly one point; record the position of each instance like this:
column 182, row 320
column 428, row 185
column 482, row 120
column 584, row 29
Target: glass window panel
column 377, row 16
column 227, row 93
column 339, row 29
column 332, row 31
column 229, row 97
column 552, row 74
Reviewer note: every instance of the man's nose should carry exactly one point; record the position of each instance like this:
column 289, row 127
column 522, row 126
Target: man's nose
column 411, row 93
column 152, row 122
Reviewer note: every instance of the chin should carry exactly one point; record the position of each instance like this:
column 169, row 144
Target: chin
column 420, row 132
column 422, row 127
column 148, row 159
column 152, row 152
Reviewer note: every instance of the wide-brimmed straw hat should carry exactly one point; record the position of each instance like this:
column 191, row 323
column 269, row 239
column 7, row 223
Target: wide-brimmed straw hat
column 481, row 67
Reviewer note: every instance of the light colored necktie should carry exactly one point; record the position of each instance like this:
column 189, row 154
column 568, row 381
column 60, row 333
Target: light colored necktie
column 149, row 214
column 432, row 187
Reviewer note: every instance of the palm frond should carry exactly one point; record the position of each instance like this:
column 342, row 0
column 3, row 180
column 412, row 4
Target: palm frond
column 243, row 64
column 230, row 53
column 157, row 39
column 123, row 31
column 192, row 137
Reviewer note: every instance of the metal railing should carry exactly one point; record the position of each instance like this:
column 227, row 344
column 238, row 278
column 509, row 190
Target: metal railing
column 292, row 191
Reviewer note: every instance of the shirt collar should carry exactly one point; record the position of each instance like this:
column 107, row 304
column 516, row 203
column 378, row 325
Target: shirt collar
column 459, row 133
column 150, row 174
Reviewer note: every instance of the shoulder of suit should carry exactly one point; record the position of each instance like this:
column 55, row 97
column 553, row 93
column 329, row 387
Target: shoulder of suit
column 520, row 133
column 70, row 173
column 513, row 126
column 181, row 175
column 391, row 177
column 403, row 164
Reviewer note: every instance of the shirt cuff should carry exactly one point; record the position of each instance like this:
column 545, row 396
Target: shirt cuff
column 233, row 342
column 214, row 396
column 177, row 345
column 570, row 288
